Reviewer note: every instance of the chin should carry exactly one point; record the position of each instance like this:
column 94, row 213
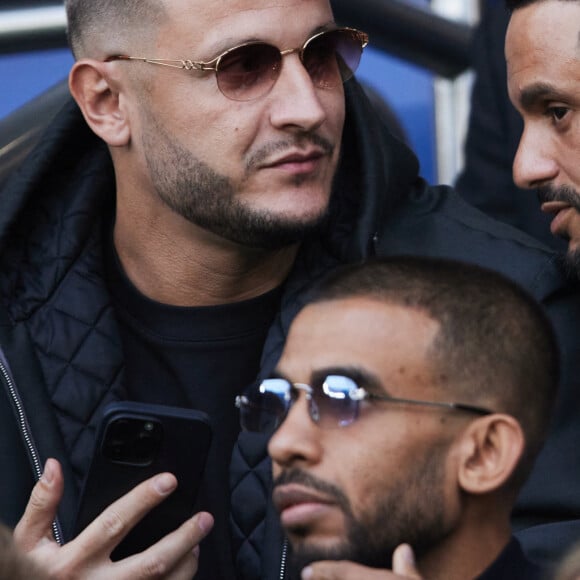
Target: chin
column 305, row 552
column 297, row 206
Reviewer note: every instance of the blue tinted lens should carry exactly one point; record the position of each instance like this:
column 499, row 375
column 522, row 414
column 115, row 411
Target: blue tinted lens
column 335, row 406
column 329, row 403
column 265, row 408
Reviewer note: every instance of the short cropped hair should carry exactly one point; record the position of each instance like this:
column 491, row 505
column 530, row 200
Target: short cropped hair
column 99, row 23
column 495, row 346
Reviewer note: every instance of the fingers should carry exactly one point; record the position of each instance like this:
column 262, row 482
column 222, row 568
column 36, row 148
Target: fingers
column 403, row 567
column 105, row 532
column 36, row 522
column 174, row 557
column 404, row 562
column 344, row 570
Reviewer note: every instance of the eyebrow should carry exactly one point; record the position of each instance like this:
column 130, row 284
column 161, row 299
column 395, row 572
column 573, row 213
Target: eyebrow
column 229, row 42
column 531, row 95
column 362, row 377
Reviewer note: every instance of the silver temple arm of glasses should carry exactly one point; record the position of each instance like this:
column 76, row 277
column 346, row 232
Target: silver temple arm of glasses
column 441, row 404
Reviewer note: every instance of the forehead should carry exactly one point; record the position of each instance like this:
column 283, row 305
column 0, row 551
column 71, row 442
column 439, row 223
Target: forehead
column 542, row 47
column 209, row 23
column 380, row 338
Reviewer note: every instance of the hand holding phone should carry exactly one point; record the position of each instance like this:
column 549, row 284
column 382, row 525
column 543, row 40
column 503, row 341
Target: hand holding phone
column 87, row 555
column 136, row 441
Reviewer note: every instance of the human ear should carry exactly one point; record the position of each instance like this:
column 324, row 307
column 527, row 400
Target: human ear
column 490, row 449
column 98, row 96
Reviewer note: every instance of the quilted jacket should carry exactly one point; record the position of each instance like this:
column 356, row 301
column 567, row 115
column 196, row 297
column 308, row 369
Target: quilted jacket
column 61, row 359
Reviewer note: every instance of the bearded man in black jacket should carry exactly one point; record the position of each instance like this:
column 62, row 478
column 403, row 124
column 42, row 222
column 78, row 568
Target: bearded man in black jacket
column 218, row 158
column 402, row 422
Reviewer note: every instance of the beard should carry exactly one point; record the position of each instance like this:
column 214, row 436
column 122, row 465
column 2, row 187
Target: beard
column 207, row 198
column 570, row 261
column 410, row 510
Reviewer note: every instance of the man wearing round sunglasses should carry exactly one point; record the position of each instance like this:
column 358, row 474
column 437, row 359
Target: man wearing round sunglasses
column 218, row 158
column 405, row 413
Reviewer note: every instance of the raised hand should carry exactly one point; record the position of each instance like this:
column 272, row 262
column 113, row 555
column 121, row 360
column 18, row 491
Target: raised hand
column 174, row 557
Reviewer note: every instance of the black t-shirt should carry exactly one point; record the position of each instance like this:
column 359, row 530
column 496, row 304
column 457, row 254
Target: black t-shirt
column 199, row 358
column 512, row 564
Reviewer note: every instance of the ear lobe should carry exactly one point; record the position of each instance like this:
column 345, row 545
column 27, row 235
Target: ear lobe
column 491, row 448
column 99, row 100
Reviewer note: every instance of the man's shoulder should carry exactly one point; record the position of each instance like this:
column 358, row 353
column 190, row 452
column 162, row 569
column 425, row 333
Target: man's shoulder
column 436, row 221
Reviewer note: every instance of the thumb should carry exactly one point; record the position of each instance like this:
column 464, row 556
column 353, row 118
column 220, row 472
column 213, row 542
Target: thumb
column 404, row 562
column 36, row 522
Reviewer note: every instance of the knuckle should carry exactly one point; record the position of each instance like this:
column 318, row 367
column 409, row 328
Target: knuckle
column 38, row 499
column 153, row 567
column 192, row 534
column 63, row 571
column 112, row 524
column 188, row 566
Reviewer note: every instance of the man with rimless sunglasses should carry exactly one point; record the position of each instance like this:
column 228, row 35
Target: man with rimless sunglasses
column 217, row 158
column 405, row 413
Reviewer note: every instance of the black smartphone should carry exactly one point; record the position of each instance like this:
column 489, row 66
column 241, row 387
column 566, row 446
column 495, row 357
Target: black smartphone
column 136, row 441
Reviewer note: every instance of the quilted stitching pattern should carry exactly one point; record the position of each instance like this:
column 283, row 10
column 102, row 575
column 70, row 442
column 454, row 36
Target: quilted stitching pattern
column 53, row 282
column 251, row 482
column 80, row 353
column 82, row 368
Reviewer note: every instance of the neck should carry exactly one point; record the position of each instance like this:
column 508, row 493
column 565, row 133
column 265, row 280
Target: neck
column 172, row 261
column 468, row 551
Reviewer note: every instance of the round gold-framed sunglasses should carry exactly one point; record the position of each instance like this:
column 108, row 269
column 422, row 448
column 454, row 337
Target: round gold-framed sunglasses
column 249, row 71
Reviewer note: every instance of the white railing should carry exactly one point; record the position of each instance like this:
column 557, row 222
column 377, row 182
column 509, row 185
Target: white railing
column 28, row 28
column 452, row 98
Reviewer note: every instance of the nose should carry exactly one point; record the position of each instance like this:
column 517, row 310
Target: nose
column 534, row 164
column 296, row 101
column 297, row 439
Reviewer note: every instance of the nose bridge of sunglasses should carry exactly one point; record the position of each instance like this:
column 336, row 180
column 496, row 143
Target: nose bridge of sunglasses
column 303, row 398
column 300, row 393
column 301, row 60
column 290, row 51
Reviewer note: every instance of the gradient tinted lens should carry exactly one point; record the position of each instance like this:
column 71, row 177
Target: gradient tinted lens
column 335, row 407
column 249, row 71
column 330, row 404
column 332, row 57
column 266, row 408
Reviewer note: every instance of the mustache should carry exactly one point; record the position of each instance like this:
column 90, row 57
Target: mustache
column 564, row 193
column 299, row 142
column 300, row 477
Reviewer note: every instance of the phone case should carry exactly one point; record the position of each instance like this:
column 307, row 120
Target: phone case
column 136, row 441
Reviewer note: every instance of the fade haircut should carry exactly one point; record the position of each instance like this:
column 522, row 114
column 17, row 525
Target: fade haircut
column 110, row 25
column 495, row 346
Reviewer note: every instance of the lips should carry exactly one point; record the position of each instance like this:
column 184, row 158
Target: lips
column 285, row 496
column 301, row 507
column 296, row 159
